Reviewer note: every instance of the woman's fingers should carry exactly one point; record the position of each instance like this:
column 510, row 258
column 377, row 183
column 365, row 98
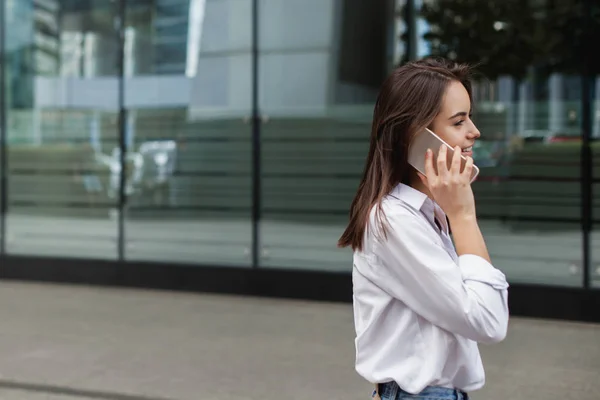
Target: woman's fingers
column 429, row 170
column 443, row 174
column 456, row 161
column 442, row 163
column 468, row 168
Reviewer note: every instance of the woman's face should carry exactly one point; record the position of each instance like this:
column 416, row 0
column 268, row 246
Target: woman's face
column 453, row 124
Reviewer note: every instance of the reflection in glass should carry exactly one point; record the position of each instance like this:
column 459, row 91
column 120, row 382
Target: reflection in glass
column 188, row 98
column 316, row 124
column 320, row 67
column 595, row 150
column 59, row 201
column 528, row 108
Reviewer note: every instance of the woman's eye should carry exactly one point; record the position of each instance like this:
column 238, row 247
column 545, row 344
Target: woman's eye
column 459, row 122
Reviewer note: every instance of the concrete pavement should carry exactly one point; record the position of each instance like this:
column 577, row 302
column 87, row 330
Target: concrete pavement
column 77, row 342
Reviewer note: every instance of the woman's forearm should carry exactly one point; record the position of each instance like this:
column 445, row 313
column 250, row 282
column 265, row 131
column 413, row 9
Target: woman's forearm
column 467, row 236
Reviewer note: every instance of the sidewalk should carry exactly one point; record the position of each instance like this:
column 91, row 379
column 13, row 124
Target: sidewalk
column 66, row 342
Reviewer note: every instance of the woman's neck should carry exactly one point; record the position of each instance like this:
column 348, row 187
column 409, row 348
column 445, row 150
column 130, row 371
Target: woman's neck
column 417, row 184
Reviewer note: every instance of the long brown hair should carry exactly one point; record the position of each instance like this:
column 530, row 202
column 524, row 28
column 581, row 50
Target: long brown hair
column 409, row 100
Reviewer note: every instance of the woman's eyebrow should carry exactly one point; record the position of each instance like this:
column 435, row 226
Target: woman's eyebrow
column 459, row 114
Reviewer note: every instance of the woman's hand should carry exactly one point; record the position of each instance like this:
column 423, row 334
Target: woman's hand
column 450, row 188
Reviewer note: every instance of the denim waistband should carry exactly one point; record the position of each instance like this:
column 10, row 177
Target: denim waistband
column 391, row 391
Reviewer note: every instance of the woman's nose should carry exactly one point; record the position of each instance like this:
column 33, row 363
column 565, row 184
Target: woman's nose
column 474, row 133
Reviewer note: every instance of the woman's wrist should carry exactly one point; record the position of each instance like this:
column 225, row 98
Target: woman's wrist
column 462, row 218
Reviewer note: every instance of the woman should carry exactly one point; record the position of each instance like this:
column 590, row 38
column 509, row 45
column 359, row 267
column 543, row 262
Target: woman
column 421, row 304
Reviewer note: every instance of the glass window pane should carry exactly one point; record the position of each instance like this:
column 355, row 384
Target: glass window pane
column 528, row 109
column 595, row 145
column 320, row 65
column 61, row 99
column 189, row 98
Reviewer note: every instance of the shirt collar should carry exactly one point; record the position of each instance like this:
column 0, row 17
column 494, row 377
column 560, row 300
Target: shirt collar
column 410, row 196
column 419, row 201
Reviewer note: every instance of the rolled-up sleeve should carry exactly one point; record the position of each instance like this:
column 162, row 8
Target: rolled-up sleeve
column 468, row 298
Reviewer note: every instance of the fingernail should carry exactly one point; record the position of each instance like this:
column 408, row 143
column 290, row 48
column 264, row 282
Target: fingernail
column 428, row 152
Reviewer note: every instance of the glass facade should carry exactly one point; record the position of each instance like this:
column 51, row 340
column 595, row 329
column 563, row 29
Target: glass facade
column 233, row 132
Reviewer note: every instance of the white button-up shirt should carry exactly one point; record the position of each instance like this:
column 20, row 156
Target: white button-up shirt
column 419, row 308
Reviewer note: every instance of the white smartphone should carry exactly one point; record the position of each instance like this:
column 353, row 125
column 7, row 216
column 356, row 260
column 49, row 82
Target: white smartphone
column 429, row 140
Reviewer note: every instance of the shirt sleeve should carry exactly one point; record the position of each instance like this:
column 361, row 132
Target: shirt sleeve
column 468, row 298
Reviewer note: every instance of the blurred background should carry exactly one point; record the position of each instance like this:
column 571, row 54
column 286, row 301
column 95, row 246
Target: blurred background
column 233, row 132
column 216, row 145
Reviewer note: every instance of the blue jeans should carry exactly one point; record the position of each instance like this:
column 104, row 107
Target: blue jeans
column 391, row 391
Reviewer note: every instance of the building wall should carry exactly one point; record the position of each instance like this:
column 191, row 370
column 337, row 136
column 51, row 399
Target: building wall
column 193, row 195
